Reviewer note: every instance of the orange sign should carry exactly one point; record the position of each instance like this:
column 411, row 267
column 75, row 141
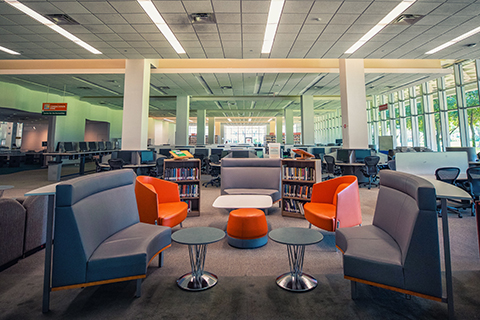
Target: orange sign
column 383, row 107
column 54, row 109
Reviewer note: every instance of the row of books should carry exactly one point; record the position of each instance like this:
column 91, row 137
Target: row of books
column 291, row 205
column 298, row 173
column 296, row 190
column 188, row 190
column 190, row 204
column 182, row 174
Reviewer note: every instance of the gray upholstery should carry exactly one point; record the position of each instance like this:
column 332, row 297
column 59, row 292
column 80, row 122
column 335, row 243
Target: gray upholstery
column 12, row 227
column 260, row 176
column 36, row 222
column 98, row 235
column 400, row 248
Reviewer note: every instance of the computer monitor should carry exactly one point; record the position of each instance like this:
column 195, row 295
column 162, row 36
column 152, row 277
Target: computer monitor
column 360, row 154
column 44, row 143
column 216, row 151
column 165, row 152
column 68, row 146
column 146, row 157
column 92, row 146
column 126, row 156
column 240, row 154
column 471, row 152
column 201, row 151
column 316, row 151
column 101, row 145
column 82, row 146
column 108, row 145
column 343, row 155
column 338, row 141
column 224, row 153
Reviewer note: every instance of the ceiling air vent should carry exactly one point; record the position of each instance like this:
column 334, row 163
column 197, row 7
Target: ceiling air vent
column 202, row 18
column 61, row 19
column 84, row 88
column 407, row 19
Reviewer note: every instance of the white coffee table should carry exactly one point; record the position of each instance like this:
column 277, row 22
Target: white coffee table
column 243, row 201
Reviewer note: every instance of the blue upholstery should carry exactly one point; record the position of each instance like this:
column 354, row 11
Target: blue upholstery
column 401, row 248
column 247, row 243
column 98, row 235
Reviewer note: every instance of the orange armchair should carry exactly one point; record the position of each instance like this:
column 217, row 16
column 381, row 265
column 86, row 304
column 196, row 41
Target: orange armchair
column 334, row 204
column 159, row 201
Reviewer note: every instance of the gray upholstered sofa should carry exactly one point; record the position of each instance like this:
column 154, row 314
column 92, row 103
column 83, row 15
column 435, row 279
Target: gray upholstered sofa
column 22, row 227
column 400, row 250
column 98, row 236
column 260, row 176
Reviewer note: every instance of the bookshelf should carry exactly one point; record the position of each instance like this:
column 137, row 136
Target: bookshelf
column 298, row 178
column 186, row 173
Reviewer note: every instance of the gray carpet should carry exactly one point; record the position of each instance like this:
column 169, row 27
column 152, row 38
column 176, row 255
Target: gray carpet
column 246, row 287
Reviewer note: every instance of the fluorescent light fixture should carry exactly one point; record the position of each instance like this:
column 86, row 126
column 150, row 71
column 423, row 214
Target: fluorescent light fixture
column 168, row 120
column 37, row 16
column 249, row 119
column 153, row 13
column 269, row 119
column 402, row 6
column 457, row 39
column 230, row 120
column 8, row 50
column 274, row 13
column 90, row 83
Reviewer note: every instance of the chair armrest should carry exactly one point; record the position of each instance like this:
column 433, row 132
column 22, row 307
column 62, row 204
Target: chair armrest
column 349, row 212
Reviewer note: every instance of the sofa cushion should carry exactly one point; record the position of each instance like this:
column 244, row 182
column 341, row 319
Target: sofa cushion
column 275, row 194
column 371, row 251
column 172, row 213
column 321, row 215
column 127, row 252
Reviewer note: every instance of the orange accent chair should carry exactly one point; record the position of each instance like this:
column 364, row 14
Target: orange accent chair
column 158, row 202
column 334, row 204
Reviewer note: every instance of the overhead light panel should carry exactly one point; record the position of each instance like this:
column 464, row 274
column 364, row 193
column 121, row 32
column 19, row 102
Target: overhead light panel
column 457, row 39
column 274, row 13
column 8, row 50
column 230, row 120
column 401, row 7
column 168, row 120
column 95, row 85
column 37, row 16
column 153, row 13
column 269, row 119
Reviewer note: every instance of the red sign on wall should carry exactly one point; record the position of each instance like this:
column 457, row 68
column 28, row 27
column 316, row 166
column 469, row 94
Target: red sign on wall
column 383, row 107
column 54, row 109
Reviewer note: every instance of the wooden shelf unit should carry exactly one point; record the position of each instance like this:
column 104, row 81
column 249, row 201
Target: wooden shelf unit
column 298, row 178
column 185, row 173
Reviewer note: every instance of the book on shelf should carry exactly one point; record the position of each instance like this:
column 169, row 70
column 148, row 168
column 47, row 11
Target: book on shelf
column 296, row 206
column 179, row 174
column 188, row 190
column 298, row 191
column 298, row 173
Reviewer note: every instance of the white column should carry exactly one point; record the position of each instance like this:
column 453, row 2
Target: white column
column 442, row 103
column 429, row 118
column 288, row 115
column 393, row 124
column 278, row 129
column 383, row 117
column 211, row 131
column 201, row 122
column 414, row 111
column 135, row 105
column 403, row 120
column 353, row 101
column 462, row 111
column 307, row 118
column 182, row 117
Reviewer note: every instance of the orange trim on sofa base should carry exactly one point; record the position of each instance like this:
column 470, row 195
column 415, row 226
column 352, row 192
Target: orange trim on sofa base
column 421, row 295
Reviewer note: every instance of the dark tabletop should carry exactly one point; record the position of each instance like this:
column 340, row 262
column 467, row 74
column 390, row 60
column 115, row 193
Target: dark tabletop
column 199, row 235
column 295, row 236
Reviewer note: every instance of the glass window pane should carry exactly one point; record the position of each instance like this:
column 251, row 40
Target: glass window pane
column 474, row 127
column 453, row 129
column 397, row 132
column 409, row 132
column 471, row 95
column 421, row 131
column 438, row 132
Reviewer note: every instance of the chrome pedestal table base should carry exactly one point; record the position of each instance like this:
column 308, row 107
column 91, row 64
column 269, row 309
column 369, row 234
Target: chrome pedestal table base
column 198, row 279
column 296, row 280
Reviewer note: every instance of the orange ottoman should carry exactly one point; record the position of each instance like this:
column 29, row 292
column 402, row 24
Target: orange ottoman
column 247, row 228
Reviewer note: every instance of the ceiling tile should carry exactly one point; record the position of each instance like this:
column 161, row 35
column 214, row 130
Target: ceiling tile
column 255, row 6
column 100, row 7
column 198, row 6
column 227, row 18
column 127, row 6
column 226, row 6
column 111, row 18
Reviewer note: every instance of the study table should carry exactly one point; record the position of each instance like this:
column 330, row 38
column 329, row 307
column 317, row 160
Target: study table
column 3, row 188
column 239, row 201
column 77, row 155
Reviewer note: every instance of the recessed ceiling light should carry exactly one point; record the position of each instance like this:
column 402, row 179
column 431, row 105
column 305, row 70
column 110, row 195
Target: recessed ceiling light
column 153, row 13
column 8, row 50
column 402, row 6
column 37, row 16
column 457, row 39
column 274, row 13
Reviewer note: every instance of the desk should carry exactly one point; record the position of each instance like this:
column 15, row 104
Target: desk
column 197, row 240
column 296, row 239
column 444, row 192
column 49, row 191
column 3, row 188
column 138, row 167
column 243, row 201
column 353, row 169
column 77, row 155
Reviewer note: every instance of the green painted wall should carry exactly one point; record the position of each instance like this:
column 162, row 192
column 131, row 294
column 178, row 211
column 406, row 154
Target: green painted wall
column 70, row 127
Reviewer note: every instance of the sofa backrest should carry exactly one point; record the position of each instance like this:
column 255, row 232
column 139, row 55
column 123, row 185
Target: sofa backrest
column 406, row 210
column 88, row 210
column 251, row 173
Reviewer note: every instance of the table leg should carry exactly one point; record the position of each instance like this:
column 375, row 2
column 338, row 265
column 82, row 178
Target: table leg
column 82, row 165
column 448, row 262
column 296, row 280
column 48, row 254
column 198, row 279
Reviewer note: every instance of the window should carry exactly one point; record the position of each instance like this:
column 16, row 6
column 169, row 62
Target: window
column 474, row 127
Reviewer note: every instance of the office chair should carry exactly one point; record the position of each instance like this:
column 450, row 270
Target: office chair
column 330, row 167
column 99, row 167
column 371, row 170
column 473, row 185
column 116, row 163
column 213, row 170
column 203, row 164
column 391, row 164
column 448, row 175
column 158, row 170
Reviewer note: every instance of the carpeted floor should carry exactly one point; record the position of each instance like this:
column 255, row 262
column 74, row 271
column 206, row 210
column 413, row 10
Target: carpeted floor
column 246, row 287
